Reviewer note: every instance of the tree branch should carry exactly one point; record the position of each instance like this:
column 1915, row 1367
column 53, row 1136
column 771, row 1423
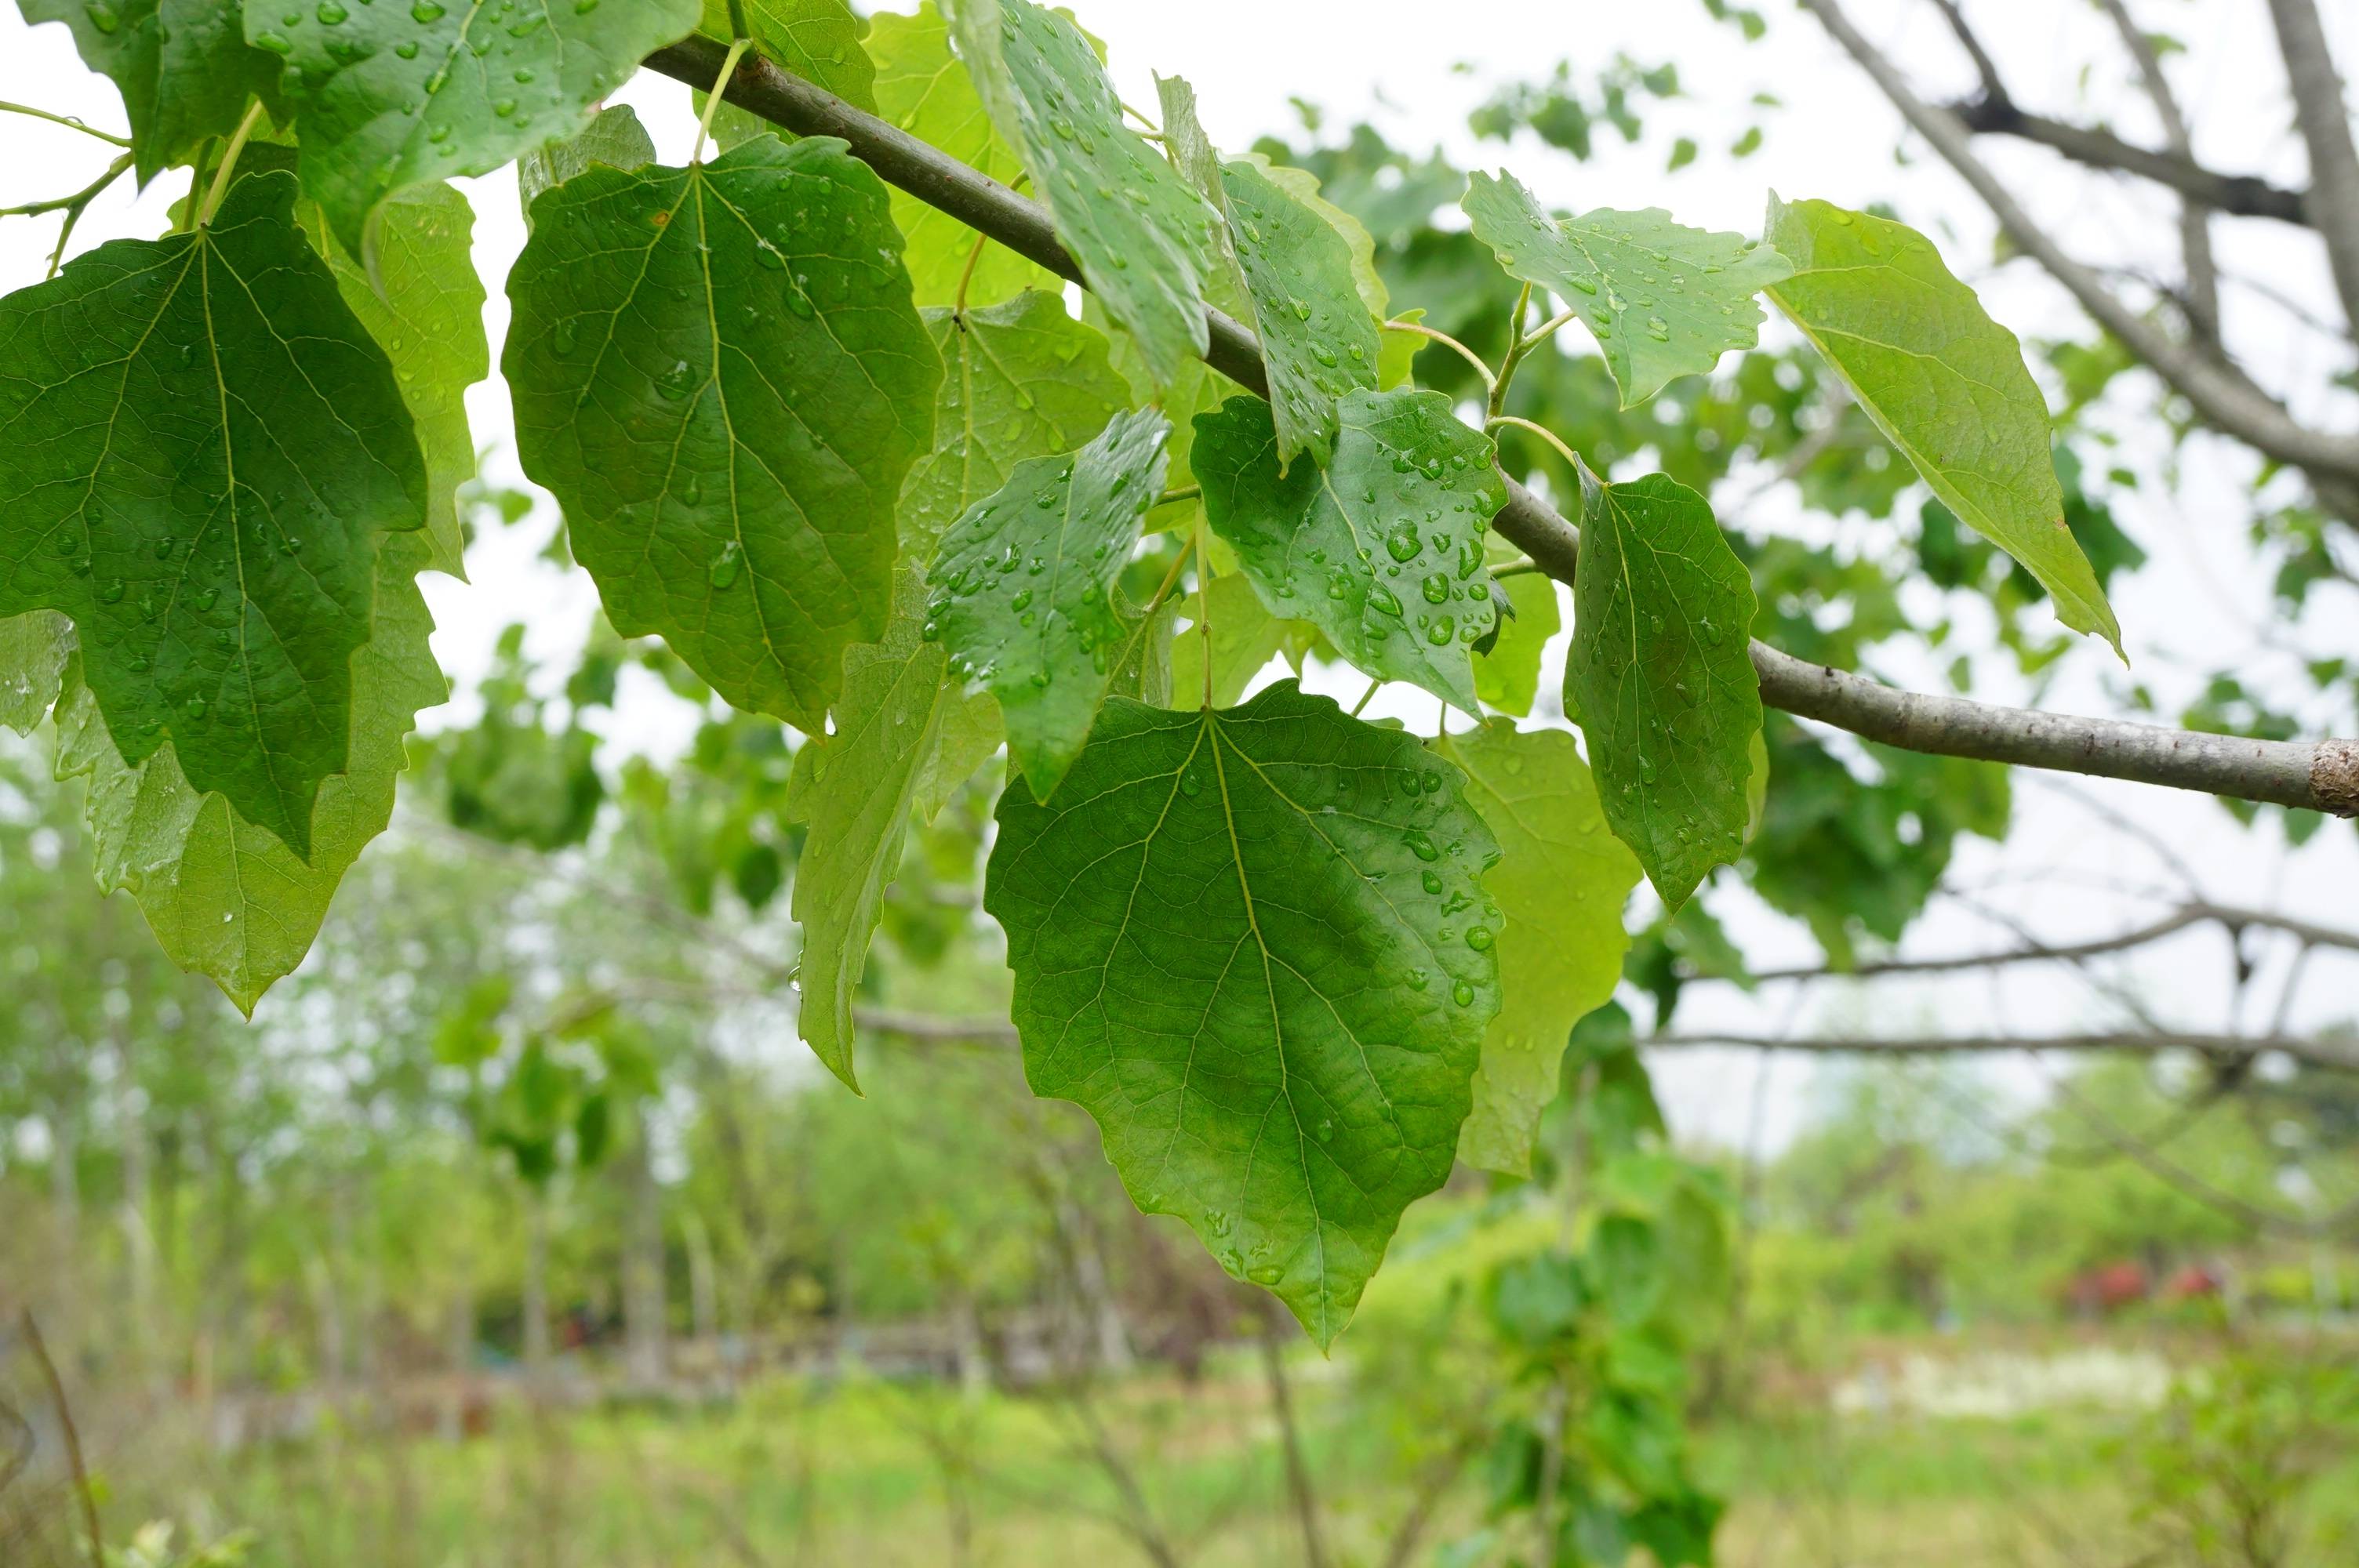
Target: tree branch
column 2184, row 918
column 2238, row 195
column 2323, row 777
column 2325, row 124
column 2327, row 1052
column 2195, row 217
column 2224, row 396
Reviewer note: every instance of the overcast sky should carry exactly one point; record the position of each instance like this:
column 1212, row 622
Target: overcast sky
column 1416, row 69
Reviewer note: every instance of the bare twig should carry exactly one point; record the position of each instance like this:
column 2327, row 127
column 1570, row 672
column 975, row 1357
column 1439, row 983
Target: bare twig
column 33, row 1342
column 2237, row 195
column 2203, row 299
column 2341, row 1054
column 1290, row 1432
column 2324, row 121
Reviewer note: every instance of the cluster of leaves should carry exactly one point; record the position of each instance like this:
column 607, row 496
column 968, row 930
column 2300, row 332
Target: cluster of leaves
column 1295, row 963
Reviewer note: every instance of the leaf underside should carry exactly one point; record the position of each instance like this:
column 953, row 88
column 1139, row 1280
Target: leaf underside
column 1561, row 882
column 718, row 372
column 1252, row 944
column 1943, row 381
column 200, row 450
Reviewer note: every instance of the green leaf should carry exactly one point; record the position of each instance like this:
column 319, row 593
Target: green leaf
column 614, row 138
column 1199, row 163
column 1317, row 337
column 718, row 372
column 183, row 67
column 1561, row 882
column 864, row 780
column 425, row 309
column 1508, row 676
column 1143, row 238
column 1663, row 300
column 200, row 449
column 225, row 898
column 921, row 87
column 816, row 40
column 1021, row 379
column 1943, row 381
column 34, row 649
column 1303, row 186
column 1223, row 950
column 1382, row 550
column 1023, row 597
column 970, row 732
column 1661, row 678
column 387, row 96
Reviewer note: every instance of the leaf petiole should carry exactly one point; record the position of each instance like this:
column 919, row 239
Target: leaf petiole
column 720, row 87
column 66, row 120
column 1543, row 431
column 1516, row 318
column 228, row 170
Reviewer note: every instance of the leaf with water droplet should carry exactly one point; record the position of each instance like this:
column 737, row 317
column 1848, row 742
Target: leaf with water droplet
column 287, row 393
column 184, row 68
column 1559, row 886
column 347, row 88
column 1047, row 682
column 1277, row 523
column 1673, row 769
column 1696, row 301
column 1021, row 379
column 615, row 138
column 227, row 899
column 34, row 649
column 924, row 89
column 793, row 431
column 1945, row 383
column 1147, row 251
column 1215, row 977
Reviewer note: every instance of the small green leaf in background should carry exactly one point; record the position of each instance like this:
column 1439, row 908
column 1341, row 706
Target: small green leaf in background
column 1020, row 379
column 1023, row 590
column 614, row 138
column 817, row 39
column 718, row 372
column 1661, row 299
column 923, row 88
column 1253, row 944
column 863, row 781
column 1943, row 381
column 1561, row 882
column 184, row 68
column 200, row 452
column 225, row 898
column 1660, row 676
column 1382, row 550
column 388, row 96
column 425, row 309
column 1144, row 239
column 970, row 732
column 34, row 650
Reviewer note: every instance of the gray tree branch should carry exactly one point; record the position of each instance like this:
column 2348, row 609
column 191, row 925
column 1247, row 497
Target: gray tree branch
column 2195, row 217
column 2325, row 1051
column 2237, row 195
column 2322, row 776
column 2324, row 121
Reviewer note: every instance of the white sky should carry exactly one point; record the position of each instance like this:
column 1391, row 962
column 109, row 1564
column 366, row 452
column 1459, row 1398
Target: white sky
column 1416, row 70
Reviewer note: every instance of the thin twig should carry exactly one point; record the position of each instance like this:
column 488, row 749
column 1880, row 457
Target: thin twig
column 67, row 121
column 32, row 1332
column 1469, row 355
column 1543, row 431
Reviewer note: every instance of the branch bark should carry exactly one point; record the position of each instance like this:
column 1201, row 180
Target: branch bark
column 2224, row 396
column 2325, row 124
column 2194, row 216
column 2323, row 776
column 2238, row 195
